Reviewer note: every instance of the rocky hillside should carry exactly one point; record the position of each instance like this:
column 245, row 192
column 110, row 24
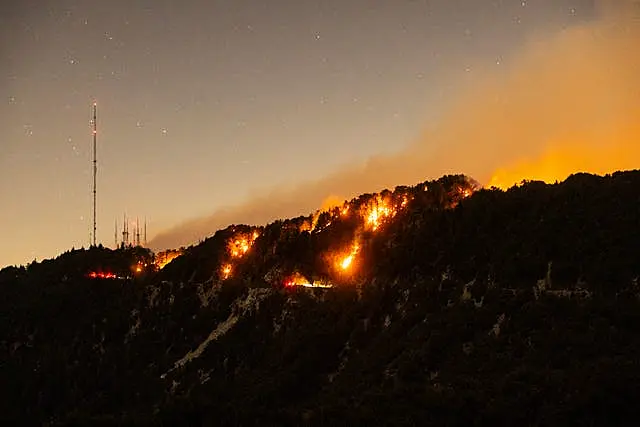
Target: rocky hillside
column 438, row 304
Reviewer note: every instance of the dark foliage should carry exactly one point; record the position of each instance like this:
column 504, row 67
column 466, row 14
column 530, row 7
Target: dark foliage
column 502, row 308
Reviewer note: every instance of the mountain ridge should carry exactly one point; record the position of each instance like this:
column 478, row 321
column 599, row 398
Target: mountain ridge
column 493, row 301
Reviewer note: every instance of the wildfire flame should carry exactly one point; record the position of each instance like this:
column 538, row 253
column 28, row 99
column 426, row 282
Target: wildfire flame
column 306, row 226
column 378, row 211
column 314, row 220
column 346, row 262
column 226, row 271
column 371, row 215
column 298, row 280
column 238, row 246
column 101, row 275
column 164, row 258
column 564, row 159
column 241, row 243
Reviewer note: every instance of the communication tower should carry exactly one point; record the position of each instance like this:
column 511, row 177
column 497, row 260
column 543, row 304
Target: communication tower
column 95, row 170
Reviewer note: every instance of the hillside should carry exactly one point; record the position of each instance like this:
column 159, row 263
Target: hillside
column 437, row 304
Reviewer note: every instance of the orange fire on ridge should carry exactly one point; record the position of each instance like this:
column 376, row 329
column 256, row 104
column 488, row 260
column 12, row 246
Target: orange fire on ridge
column 369, row 216
column 226, row 271
column 237, row 247
column 165, row 257
column 381, row 209
column 346, row 262
column 101, row 275
column 241, row 243
column 297, row 280
column 565, row 101
column 573, row 103
column 562, row 160
column 374, row 214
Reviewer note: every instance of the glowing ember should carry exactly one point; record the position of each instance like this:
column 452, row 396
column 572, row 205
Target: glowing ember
column 298, row 280
column 461, row 192
column 314, row 220
column 378, row 211
column 101, row 275
column 241, row 243
column 347, row 261
column 226, row 271
column 317, row 230
column 306, row 226
column 239, row 247
column 308, row 285
column 465, row 192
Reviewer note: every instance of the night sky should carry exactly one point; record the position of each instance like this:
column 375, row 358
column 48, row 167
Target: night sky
column 203, row 104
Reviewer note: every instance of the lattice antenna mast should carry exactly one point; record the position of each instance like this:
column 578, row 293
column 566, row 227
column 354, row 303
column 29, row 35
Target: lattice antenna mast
column 95, row 169
column 125, row 233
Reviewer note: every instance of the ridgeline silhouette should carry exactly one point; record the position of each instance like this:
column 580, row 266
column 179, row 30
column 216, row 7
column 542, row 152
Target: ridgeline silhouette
column 437, row 304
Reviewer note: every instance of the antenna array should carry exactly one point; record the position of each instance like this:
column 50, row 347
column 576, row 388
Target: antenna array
column 95, row 171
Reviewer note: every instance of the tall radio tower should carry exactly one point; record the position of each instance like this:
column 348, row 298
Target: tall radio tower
column 125, row 232
column 95, row 170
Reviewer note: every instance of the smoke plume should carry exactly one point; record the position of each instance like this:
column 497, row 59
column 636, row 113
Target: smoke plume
column 568, row 103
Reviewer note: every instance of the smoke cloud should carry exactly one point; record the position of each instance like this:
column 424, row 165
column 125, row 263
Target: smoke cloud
column 568, row 103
